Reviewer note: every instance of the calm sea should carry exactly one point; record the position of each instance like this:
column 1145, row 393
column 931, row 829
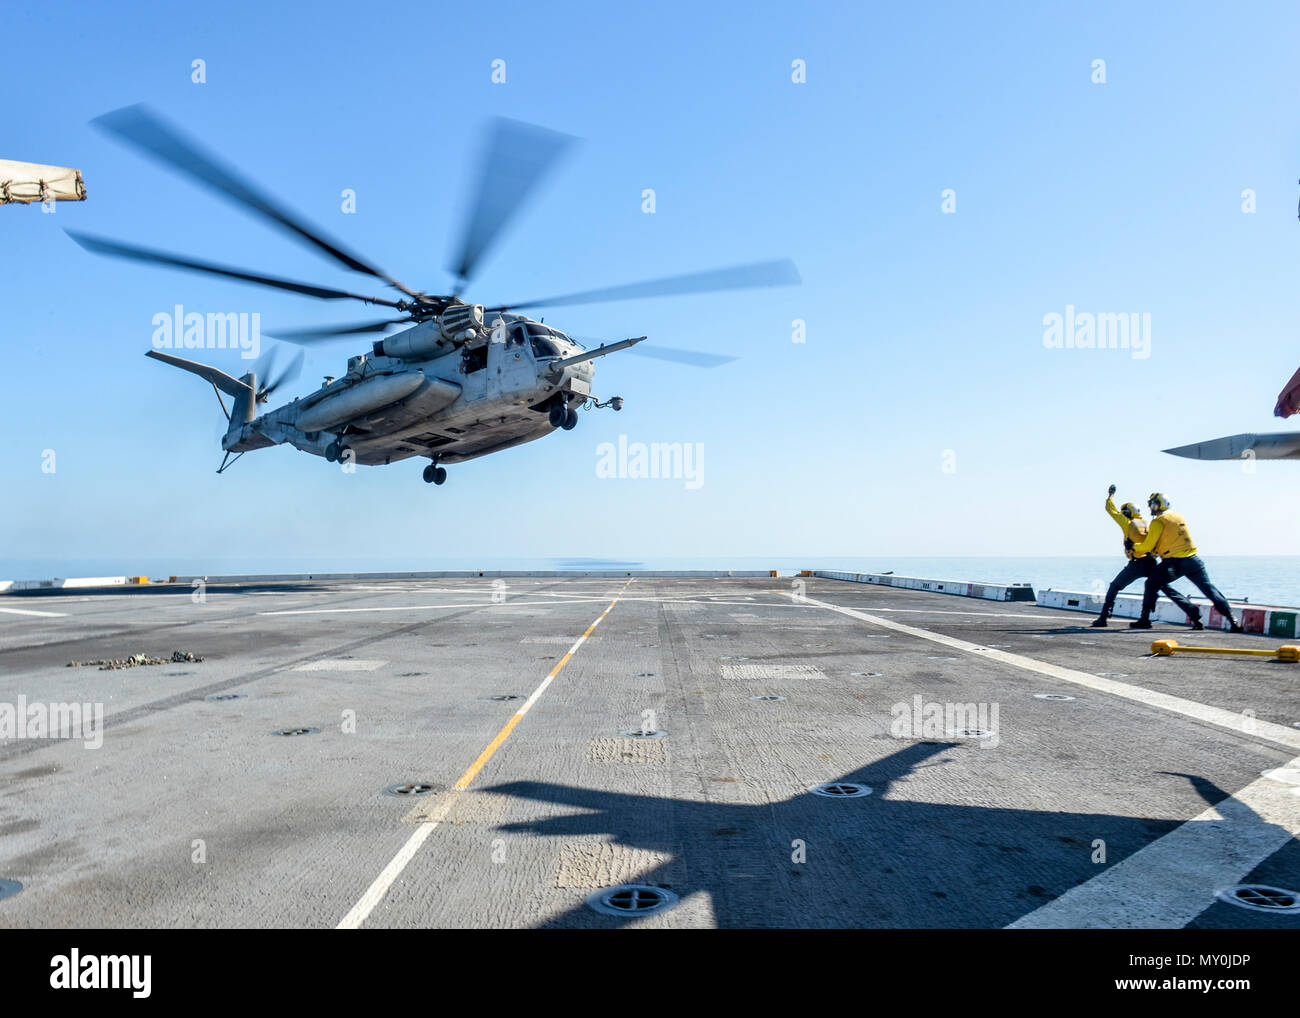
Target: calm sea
column 1257, row 578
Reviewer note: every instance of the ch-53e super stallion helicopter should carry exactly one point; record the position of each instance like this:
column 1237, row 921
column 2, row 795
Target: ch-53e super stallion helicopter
column 465, row 379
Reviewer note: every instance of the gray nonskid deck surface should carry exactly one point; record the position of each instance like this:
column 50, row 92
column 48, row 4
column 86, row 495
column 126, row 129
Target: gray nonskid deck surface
column 192, row 813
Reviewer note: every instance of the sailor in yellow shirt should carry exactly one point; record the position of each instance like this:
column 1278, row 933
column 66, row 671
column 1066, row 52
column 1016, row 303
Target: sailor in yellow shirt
column 1169, row 538
column 1139, row 566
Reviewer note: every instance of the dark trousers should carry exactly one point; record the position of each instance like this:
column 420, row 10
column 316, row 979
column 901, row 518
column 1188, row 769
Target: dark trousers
column 1175, row 568
column 1146, row 567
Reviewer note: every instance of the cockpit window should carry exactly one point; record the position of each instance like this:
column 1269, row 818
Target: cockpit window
column 544, row 348
column 543, row 340
column 516, row 337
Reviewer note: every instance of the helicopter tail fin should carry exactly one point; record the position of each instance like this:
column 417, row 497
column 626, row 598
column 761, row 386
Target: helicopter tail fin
column 243, row 390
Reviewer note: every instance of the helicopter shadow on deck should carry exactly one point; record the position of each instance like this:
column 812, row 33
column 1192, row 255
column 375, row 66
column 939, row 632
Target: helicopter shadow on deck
column 876, row 861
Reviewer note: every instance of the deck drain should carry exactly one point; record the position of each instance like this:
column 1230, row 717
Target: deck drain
column 632, row 899
column 411, row 788
column 410, row 675
column 505, row 696
column 296, row 731
column 643, row 675
column 1112, row 675
column 767, row 699
column 218, row 697
column 869, row 675
column 8, row 888
column 969, row 733
column 841, row 790
column 1262, row 898
column 644, row 733
column 1052, row 696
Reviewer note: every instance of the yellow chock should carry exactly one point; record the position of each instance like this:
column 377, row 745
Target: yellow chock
column 1164, row 648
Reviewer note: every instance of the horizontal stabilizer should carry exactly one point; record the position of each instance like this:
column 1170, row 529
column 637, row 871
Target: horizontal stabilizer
column 1282, row 446
column 228, row 385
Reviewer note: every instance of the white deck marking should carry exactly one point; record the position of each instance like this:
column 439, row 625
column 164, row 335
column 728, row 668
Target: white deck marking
column 1171, row 881
column 1289, row 737
column 42, row 615
column 340, row 664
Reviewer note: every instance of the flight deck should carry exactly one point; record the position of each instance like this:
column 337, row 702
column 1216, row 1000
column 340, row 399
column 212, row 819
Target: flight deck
column 601, row 751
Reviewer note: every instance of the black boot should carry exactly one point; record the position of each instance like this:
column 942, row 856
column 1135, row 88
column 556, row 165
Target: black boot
column 1236, row 626
column 1196, row 622
column 1143, row 623
column 1100, row 621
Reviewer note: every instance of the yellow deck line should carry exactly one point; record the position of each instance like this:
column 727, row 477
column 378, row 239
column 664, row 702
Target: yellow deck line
column 375, row 893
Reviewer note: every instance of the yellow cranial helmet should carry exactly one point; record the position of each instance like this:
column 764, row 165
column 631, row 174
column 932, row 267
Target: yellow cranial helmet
column 1131, row 511
column 1158, row 503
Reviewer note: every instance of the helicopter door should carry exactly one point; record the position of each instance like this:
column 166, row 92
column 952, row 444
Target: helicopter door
column 515, row 364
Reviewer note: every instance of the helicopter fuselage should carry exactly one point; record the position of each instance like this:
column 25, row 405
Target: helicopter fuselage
column 453, row 406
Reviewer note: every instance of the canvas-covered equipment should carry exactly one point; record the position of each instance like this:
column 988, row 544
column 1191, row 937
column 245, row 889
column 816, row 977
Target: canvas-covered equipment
column 25, row 183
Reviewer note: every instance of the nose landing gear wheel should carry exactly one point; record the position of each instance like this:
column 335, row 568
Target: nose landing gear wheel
column 570, row 419
column 434, row 474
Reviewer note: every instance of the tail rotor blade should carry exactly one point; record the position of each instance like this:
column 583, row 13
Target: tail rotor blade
column 288, row 374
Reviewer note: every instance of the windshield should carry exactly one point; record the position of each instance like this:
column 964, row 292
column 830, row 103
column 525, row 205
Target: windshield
column 543, row 340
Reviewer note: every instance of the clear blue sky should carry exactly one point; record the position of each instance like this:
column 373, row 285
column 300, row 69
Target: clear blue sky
column 924, row 330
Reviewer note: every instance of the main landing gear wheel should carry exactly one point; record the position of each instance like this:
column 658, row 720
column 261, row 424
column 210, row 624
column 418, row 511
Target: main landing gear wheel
column 434, row 474
column 334, row 452
column 558, row 415
column 570, row 419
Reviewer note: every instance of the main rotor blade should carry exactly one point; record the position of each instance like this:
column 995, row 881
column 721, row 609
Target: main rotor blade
column 328, row 332
column 738, row 277
column 1283, row 446
column 101, row 245
column 140, row 127
column 516, row 158
column 695, row 358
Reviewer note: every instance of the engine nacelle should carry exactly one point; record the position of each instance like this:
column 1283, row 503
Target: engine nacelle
column 415, row 344
column 461, row 323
